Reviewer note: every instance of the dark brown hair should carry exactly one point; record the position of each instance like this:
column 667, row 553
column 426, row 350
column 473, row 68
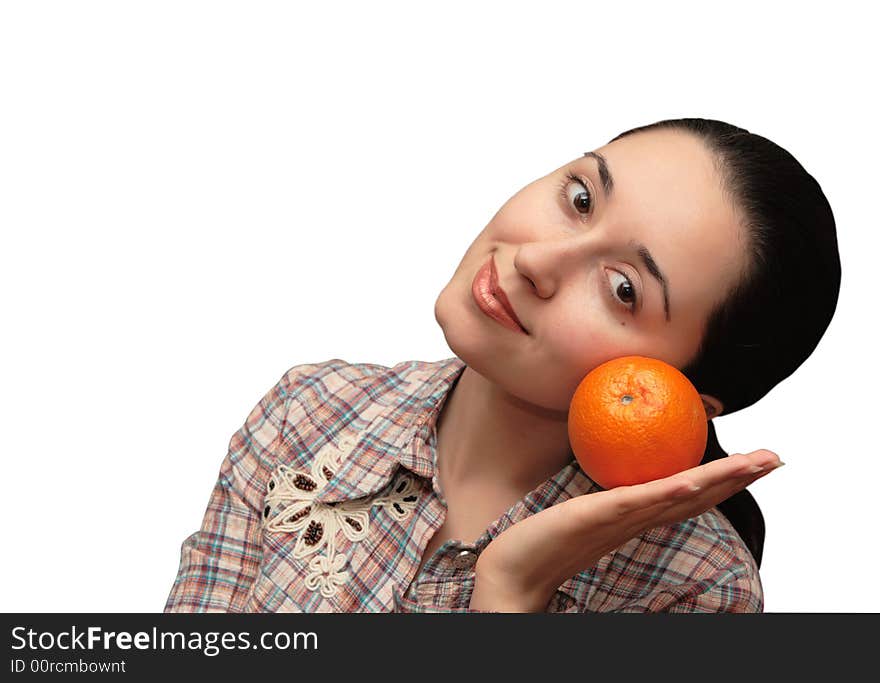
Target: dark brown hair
column 773, row 319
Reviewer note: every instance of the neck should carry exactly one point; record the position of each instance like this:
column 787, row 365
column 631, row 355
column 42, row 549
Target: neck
column 490, row 440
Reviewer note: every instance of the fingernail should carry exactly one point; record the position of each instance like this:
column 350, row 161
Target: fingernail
column 769, row 467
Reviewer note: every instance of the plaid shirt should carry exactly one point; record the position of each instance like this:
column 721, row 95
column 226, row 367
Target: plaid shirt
column 328, row 497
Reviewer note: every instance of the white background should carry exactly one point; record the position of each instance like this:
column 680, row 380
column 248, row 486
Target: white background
column 197, row 196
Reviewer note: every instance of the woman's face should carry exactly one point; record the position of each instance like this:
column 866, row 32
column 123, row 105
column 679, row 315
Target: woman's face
column 581, row 265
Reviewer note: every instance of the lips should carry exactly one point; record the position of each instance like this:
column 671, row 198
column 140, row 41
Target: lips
column 499, row 294
column 491, row 299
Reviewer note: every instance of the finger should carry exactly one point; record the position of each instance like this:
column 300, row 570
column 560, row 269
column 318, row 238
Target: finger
column 732, row 467
column 692, row 492
column 688, row 491
column 686, row 484
column 722, row 485
column 699, row 502
column 691, row 481
column 632, row 499
column 725, row 489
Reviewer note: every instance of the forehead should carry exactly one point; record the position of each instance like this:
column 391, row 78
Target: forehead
column 669, row 195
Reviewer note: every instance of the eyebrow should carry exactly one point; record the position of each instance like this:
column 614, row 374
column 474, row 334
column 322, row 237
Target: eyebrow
column 604, row 173
column 654, row 269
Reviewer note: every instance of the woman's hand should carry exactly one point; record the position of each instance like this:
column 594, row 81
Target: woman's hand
column 520, row 570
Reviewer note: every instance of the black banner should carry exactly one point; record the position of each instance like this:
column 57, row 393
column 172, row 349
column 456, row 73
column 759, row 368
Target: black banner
column 459, row 645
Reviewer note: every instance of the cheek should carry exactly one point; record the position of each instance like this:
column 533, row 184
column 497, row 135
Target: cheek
column 570, row 350
column 580, row 342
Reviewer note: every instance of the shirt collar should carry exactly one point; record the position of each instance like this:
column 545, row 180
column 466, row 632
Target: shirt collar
column 398, row 434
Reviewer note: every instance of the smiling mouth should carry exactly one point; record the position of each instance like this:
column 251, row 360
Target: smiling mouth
column 499, row 294
column 492, row 300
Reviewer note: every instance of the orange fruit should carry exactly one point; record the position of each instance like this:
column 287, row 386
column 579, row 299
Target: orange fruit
column 634, row 419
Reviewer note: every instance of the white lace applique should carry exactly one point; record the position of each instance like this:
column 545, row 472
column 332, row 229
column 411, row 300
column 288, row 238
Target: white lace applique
column 291, row 508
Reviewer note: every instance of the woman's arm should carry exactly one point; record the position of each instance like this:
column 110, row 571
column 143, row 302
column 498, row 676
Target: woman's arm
column 218, row 563
column 520, row 570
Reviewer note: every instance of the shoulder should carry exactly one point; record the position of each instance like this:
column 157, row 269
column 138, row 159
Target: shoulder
column 337, row 376
column 698, row 565
column 703, row 546
column 706, row 566
column 335, row 401
column 328, row 374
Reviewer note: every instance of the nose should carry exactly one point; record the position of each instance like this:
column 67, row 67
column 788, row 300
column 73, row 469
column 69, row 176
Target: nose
column 546, row 263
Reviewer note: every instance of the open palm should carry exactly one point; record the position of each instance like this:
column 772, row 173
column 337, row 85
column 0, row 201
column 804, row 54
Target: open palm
column 532, row 558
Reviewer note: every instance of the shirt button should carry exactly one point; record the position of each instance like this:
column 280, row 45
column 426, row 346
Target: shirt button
column 465, row 559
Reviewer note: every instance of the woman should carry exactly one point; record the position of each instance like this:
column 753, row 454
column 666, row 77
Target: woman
column 451, row 486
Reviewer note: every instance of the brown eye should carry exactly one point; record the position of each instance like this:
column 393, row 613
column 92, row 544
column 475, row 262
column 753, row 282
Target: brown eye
column 575, row 191
column 582, row 201
column 623, row 290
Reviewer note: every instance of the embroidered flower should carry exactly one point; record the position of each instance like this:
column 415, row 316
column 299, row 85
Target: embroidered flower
column 326, row 575
column 290, row 507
